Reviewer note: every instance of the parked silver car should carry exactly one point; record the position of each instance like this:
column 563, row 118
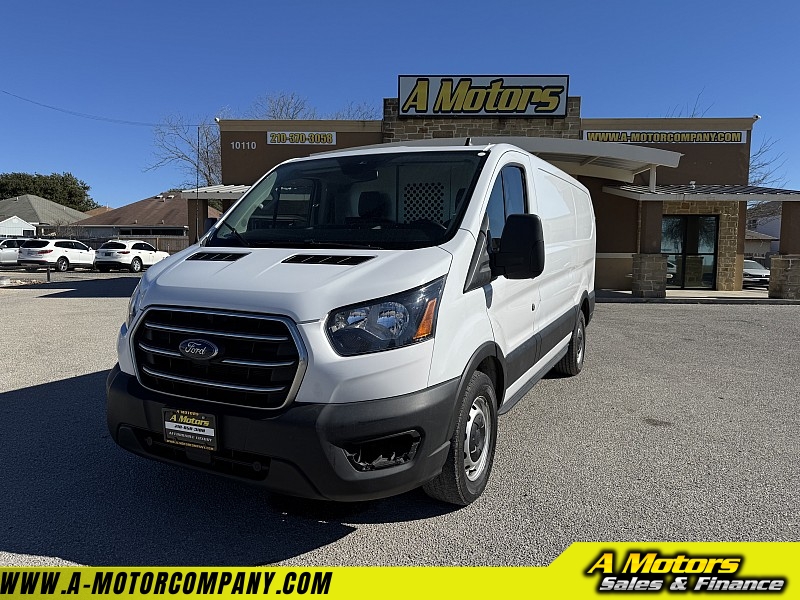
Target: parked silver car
column 754, row 273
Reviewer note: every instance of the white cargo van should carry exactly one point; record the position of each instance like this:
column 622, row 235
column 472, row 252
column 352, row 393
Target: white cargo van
column 354, row 325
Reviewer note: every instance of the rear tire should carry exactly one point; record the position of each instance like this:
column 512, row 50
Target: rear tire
column 572, row 363
column 62, row 265
column 136, row 265
column 469, row 461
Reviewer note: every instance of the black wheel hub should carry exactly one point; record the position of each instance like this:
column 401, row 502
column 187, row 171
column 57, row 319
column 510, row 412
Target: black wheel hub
column 477, row 437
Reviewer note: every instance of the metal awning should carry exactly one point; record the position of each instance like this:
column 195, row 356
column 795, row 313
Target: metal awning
column 605, row 160
column 703, row 193
column 216, row 192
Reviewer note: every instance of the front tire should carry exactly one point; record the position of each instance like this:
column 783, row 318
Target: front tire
column 469, row 461
column 62, row 265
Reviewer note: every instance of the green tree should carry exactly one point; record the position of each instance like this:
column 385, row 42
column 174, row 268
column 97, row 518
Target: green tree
column 63, row 188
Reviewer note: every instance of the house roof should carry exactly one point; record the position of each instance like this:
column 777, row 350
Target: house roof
column 15, row 220
column 749, row 234
column 163, row 210
column 217, row 192
column 98, row 211
column 38, row 210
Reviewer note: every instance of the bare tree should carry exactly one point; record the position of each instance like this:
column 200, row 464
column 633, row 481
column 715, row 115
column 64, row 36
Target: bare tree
column 286, row 106
column 193, row 147
column 766, row 165
column 694, row 111
column 282, row 106
column 358, row 111
column 766, row 170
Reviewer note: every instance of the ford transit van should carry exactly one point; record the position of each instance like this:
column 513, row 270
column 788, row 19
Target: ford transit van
column 353, row 326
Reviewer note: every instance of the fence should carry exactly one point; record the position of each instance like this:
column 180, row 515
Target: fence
column 167, row 243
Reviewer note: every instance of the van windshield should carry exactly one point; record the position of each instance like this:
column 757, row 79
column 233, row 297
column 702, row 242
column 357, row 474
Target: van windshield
column 392, row 201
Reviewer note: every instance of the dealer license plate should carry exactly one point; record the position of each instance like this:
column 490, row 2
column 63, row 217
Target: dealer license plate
column 190, row 429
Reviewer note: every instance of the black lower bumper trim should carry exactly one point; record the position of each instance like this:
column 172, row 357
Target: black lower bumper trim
column 304, row 450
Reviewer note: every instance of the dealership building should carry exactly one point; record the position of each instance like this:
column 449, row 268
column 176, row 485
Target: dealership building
column 670, row 194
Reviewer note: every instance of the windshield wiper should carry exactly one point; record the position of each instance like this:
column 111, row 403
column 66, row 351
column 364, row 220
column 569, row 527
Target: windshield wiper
column 313, row 242
column 238, row 235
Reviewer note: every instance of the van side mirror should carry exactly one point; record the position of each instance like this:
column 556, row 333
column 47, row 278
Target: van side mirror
column 521, row 253
column 208, row 224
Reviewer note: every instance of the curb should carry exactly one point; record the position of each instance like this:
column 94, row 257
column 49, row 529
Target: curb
column 753, row 301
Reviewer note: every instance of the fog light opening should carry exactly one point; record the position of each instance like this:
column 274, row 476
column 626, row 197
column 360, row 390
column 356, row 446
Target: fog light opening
column 385, row 452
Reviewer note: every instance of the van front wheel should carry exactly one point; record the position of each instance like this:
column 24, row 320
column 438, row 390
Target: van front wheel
column 469, row 461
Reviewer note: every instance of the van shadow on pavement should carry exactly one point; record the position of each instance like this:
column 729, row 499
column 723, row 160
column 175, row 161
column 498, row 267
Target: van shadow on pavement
column 108, row 287
column 69, row 492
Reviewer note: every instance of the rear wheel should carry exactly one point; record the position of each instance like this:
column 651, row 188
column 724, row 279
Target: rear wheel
column 572, row 363
column 136, row 265
column 62, row 265
column 469, row 462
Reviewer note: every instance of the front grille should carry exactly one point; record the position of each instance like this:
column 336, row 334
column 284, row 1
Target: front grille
column 259, row 364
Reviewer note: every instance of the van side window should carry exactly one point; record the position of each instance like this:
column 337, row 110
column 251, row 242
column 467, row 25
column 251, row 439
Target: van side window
column 507, row 198
column 497, row 213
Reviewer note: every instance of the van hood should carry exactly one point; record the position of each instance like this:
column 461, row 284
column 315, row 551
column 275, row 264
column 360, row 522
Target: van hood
column 304, row 285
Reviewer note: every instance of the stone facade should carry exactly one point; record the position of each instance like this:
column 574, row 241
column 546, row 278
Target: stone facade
column 397, row 129
column 649, row 278
column 728, row 276
column 784, row 277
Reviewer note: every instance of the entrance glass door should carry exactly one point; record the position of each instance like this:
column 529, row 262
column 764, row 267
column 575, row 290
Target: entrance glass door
column 690, row 243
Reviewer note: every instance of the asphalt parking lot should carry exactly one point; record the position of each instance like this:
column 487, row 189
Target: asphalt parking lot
column 681, row 427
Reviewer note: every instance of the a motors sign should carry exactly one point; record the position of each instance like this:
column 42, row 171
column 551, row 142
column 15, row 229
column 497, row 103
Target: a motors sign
column 483, row 96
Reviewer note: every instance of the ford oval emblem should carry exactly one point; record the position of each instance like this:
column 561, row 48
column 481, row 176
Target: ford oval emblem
column 198, row 349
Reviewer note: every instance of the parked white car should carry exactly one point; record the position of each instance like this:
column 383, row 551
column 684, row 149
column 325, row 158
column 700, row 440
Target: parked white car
column 9, row 250
column 60, row 254
column 754, row 273
column 133, row 255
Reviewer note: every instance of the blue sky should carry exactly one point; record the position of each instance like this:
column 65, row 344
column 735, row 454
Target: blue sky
column 143, row 61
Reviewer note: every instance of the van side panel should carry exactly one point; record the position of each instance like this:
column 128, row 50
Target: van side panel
column 559, row 281
column 586, row 239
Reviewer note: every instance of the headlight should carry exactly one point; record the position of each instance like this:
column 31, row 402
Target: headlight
column 386, row 323
column 135, row 303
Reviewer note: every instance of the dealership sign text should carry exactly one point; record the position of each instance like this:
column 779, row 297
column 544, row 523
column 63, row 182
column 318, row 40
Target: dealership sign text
column 489, row 96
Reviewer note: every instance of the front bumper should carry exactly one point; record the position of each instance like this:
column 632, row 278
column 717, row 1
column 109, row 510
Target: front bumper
column 310, row 450
column 755, row 280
